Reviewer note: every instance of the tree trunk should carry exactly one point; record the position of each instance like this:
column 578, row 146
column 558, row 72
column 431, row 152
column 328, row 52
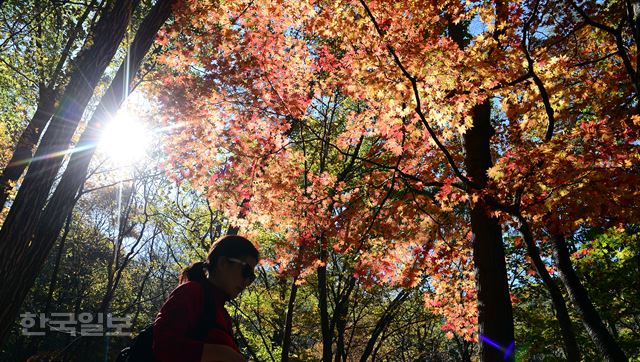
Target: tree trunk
column 56, row 266
column 47, row 98
column 28, row 140
column 327, row 339
column 138, row 300
column 572, row 350
column 383, row 322
column 21, row 256
column 286, row 338
column 338, row 320
column 495, row 316
column 74, row 175
column 605, row 343
column 341, row 325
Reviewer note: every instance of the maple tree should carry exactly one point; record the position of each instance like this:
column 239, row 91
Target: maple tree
column 560, row 81
column 249, row 151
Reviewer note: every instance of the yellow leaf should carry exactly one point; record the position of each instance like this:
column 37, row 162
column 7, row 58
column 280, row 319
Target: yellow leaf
column 495, row 173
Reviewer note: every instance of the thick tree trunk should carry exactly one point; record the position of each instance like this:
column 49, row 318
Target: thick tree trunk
column 21, row 256
column 495, row 316
column 73, row 178
column 572, row 350
column 286, row 338
column 47, row 98
column 63, row 199
column 605, row 343
column 28, row 140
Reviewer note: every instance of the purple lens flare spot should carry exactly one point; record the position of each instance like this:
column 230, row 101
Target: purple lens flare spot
column 507, row 351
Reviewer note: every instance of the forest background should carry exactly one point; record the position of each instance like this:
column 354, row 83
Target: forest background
column 426, row 180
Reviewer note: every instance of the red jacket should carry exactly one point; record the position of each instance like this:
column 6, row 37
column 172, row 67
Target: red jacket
column 179, row 316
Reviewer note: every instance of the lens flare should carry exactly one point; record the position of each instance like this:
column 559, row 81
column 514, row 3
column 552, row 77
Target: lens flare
column 125, row 140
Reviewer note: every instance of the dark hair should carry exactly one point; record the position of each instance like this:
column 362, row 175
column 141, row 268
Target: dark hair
column 232, row 246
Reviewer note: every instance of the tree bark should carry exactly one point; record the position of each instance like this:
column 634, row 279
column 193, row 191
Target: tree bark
column 28, row 139
column 338, row 320
column 47, row 98
column 327, row 338
column 495, row 316
column 604, row 341
column 75, row 174
column 21, row 256
column 572, row 350
column 286, row 338
column 341, row 324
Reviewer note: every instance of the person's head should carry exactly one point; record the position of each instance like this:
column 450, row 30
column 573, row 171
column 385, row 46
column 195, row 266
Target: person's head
column 229, row 266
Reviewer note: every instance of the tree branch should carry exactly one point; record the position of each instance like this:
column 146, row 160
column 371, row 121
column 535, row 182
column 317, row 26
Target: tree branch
column 418, row 108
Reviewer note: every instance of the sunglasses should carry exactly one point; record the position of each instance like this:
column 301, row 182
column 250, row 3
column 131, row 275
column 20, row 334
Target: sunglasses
column 247, row 270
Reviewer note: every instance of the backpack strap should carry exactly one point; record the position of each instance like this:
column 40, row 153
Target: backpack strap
column 208, row 319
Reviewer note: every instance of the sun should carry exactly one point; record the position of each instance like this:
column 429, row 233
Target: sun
column 125, row 140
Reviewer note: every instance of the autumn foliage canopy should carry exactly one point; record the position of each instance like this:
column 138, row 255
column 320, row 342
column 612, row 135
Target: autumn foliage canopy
column 338, row 125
